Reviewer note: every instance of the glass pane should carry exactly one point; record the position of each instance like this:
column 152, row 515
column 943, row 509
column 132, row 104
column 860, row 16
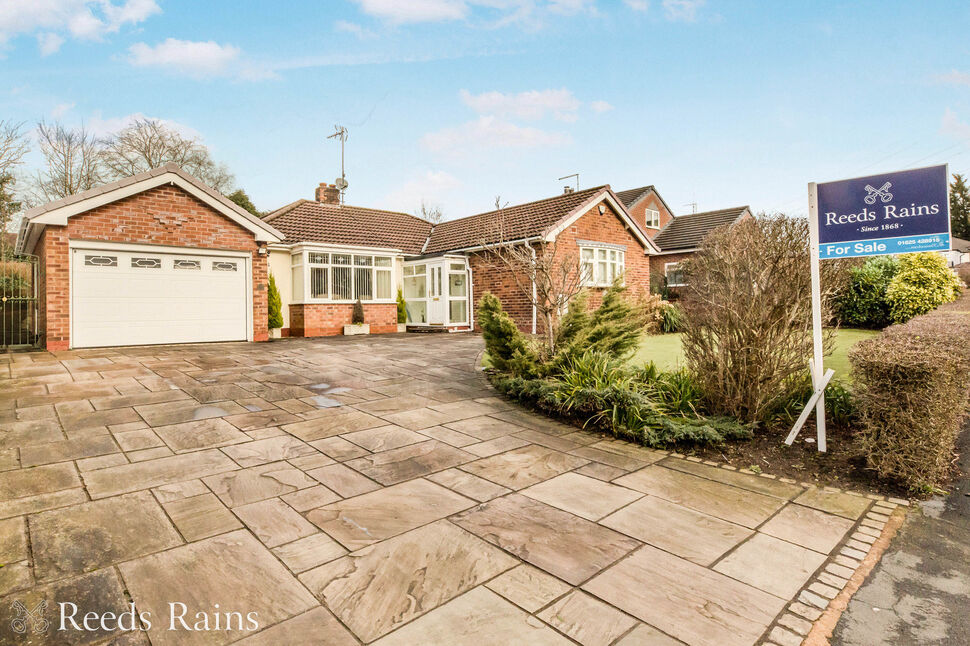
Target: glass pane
column 383, row 284
column 363, row 261
column 340, row 259
column 343, row 287
column 613, row 254
column 296, row 259
column 587, row 254
column 417, row 312
column 587, row 271
column 364, row 283
column 382, row 261
column 419, row 270
column 456, row 284
column 601, row 272
column 298, row 284
column 408, row 270
column 318, row 282
column 458, row 266
column 319, row 258
column 415, row 287
column 602, row 254
column 457, row 311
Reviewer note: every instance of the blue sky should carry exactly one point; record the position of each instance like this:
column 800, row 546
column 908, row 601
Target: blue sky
column 456, row 101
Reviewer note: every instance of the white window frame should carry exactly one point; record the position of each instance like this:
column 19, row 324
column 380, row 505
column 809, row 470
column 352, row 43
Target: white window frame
column 360, row 259
column 667, row 270
column 614, row 264
column 651, row 218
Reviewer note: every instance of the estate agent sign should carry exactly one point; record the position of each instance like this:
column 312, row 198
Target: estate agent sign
column 902, row 212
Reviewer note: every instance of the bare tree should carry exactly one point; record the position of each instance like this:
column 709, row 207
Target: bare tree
column 13, row 147
column 73, row 162
column 149, row 143
column 429, row 213
column 545, row 272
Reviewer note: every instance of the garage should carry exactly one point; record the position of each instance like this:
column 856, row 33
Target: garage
column 154, row 296
column 155, row 258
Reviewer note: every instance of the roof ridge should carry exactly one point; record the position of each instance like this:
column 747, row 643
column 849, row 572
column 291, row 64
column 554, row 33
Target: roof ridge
column 516, row 206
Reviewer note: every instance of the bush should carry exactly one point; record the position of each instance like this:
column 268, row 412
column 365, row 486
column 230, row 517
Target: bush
column 862, row 301
column 507, row 347
column 402, row 308
column 840, row 406
column 274, row 305
column 357, row 318
column 613, row 329
column 963, row 271
column 671, row 318
column 912, row 384
column 922, row 284
column 748, row 303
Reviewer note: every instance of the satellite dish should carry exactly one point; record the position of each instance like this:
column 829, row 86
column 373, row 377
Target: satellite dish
column 340, row 183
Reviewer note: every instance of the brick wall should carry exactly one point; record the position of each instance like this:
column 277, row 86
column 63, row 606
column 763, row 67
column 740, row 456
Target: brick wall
column 657, row 264
column 639, row 212
column 165, row 215
column 329, row 319
column 592, row 226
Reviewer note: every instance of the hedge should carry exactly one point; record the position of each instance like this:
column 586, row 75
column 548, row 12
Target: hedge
column 913, row 389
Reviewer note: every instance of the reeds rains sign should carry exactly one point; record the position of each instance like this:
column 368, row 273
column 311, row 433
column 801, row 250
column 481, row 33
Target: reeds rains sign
column 902, row 212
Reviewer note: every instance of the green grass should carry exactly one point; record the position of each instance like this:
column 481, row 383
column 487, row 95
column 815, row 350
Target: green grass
column 665, row 351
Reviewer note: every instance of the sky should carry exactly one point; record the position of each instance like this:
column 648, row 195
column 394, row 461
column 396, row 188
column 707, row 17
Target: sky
column 454, row 102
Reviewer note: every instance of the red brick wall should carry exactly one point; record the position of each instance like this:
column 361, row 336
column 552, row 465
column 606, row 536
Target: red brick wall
column 657, row 263
column 165, row 215
column 329, row 319
column 592, row 226
column 639, row 212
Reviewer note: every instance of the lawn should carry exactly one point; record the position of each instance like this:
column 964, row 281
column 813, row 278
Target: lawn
column 665, row 351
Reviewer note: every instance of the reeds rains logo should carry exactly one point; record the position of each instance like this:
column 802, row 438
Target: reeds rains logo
column 29, row 619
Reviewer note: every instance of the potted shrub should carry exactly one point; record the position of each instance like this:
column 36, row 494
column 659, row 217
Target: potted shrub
column 402, row 312
column 357, row 325
column 274, row 307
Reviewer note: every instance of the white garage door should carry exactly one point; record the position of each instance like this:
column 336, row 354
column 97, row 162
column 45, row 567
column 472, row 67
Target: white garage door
column 147, row 297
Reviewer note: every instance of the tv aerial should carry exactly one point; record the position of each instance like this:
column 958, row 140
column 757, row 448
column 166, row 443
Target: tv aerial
column 339, row 132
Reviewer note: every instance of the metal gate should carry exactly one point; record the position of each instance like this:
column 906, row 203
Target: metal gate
column 18, row 301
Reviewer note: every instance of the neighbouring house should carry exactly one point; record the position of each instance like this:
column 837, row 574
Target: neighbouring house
column 684, row 235
column 647, row 208
column 959, row 252
column 161, row 258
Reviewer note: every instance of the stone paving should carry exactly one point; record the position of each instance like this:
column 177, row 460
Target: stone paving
column 376, row 490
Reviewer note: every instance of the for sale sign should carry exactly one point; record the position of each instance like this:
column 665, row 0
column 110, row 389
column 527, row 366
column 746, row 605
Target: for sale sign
column 902, row 212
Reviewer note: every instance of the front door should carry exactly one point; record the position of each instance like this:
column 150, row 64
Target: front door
column 437, row 302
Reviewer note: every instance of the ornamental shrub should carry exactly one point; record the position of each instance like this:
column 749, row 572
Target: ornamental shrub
column 402, row 308
column 922, row 284
column 357, row 318
column 862, row 301
column 507, row 347
column 671, row 318
column 274, row 305
column 613, row 329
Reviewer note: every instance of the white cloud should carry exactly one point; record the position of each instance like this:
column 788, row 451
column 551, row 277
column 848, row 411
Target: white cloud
column 600, row 106
column 684, row 10
column 61, row 109
column 637, row 5
column 49, row 43
column 194, row 58
column 81, row 19
column 953, row 127
column 534, row 104
column 489, row 132
column 954, row 77
column 430, row 187
column 414, row 11
column 571, row 7
column 353, row 28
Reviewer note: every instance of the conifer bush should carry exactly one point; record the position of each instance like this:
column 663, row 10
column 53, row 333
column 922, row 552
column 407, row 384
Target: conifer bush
column 274, row 305
column 402, row 308
column 357, row 317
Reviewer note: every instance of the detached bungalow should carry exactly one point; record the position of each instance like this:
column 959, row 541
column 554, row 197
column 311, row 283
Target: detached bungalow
column 161, row 258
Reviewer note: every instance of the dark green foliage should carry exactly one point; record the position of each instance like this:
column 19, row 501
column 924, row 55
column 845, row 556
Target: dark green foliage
column 960, row 207
column 507, row 347
column 274, row 305
column 840, row 408
column 575, row 321
column 613, row 329
column 862, row 302
column 240, row 197
column 402, row 310
column 671, row 318
column 357, row 318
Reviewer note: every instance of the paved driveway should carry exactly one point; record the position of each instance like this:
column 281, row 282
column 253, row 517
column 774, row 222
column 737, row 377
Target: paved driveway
column 352, row 490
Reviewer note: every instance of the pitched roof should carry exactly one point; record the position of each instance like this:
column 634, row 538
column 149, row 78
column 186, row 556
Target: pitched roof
column 959, row 244
column 310, row 221
column 689, row 231
column 631, row 196
column 510, row 223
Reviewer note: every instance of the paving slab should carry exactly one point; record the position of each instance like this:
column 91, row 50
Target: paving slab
column 154, row 473
column 767, row 486
column 201, row 516
column 274, row 522
column 309, row 552
column 201, row 434
column 35, row 481
column 581, row 495
column 74, row 449
column 808, row 527
column 312, row 628
column 274, row 449
column 524, row 466
column 772, row 565
column 339, row 423
column 468, row 485
column 343, row 480
column 586, row 619
column 407, row 462
column 243, row 486
column 835, row 502
column 528, row 587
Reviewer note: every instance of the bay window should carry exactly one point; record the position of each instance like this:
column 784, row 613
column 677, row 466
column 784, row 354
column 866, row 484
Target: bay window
column 600, row 266
column 330, row 276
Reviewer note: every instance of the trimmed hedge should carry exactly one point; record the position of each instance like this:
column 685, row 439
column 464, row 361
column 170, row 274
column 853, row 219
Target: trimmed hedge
column 913, row 389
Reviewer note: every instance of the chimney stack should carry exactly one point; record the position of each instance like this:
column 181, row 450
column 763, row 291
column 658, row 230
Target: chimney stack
column 328, row 193
column 566, row 190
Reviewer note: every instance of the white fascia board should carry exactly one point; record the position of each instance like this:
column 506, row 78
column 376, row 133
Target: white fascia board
column 607, row 195
column 675, row 251
column 322, row 246
column 58, row 217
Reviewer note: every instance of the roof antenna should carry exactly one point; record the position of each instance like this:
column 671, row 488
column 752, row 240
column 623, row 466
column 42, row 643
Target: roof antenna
column 567, row 189
column 693, row 206
column 339, row 132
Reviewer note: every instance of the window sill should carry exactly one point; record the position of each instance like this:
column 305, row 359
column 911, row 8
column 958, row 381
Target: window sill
column 327, row 301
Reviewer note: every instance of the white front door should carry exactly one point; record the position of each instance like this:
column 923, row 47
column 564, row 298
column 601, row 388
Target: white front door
column 151, row 297
column 437, row 301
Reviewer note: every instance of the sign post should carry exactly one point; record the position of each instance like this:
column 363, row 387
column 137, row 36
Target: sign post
column 902, row 212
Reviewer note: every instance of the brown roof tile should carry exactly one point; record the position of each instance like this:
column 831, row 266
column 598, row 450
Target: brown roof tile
column 689, row 231
column 309, row 221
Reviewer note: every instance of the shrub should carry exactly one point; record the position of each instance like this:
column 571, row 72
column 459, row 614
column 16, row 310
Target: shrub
column 923, row 283
column 840, row 406
column 274, row 305
column 862, row 301
column 357, row 318
column 912, row 389
column 613, row 329
column 507, row 347
column 402, row 308
column 963, row 271
column 748, row 305
column 671, row 318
